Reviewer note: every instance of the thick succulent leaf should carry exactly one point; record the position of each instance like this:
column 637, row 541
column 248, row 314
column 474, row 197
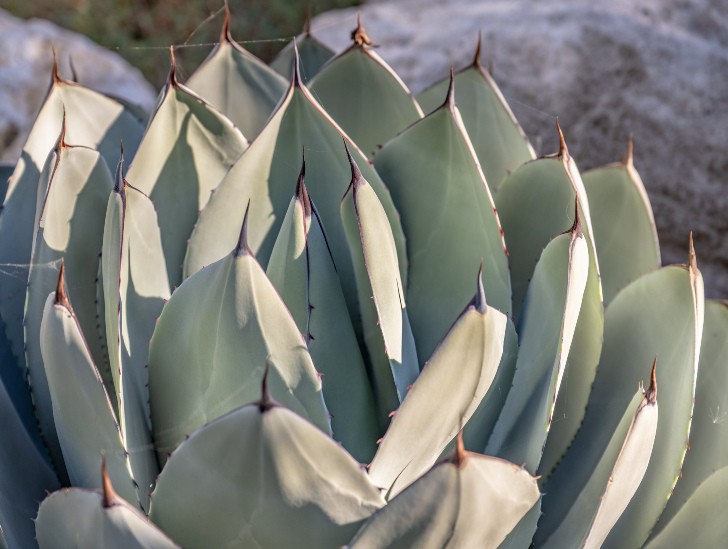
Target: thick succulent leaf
column 550, row 314
column 73, row 518
column 85, row 421
column 187, row 149
column 277, row 482
column 581, row 367
column 457, row 376
column 629, row 248
column 385, row 319
column 365, row 96
column 535, row 203
column 135, row 290
column 212, row 342
column 70, row 228
column 498, row 140
column 612, row 482
column 708, row 451
column 266, row 176
column 699, row 521
column 660, row 315
column 312, row 54
column 244, row 88
column 474, row 503
column 91, row 119
column 25, row 477
column 302, row 270
column 478, row 428
column 449, row 222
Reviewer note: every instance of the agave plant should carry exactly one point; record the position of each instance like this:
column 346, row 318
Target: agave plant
column 310, row 315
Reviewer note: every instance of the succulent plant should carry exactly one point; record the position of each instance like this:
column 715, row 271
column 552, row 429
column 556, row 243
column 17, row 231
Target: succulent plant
column 310, row 315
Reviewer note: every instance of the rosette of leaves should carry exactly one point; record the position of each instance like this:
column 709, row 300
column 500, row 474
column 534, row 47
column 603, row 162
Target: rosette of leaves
column 327, row 313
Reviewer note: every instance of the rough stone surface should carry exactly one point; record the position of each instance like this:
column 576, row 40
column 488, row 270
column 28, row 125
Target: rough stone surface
column 26, row 60
column 655, row 68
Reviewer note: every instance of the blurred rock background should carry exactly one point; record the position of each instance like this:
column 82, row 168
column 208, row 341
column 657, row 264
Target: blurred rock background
column 656, row 69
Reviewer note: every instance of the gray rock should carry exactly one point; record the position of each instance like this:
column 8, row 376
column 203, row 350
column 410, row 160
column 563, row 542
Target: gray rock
column 26, row 60
column 655, row 68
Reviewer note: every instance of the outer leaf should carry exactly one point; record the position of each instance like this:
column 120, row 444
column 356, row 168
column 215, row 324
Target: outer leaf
column 498, row 139
column 279, row 482
column 549, row 321
column 657, row 315
column 474, row 503
column 69, row 228
column 302, row 270
column 187, row 149
column 613, row 481
column 535, row 203
column 25, row 477
column 135, row 290
column 629, row 248
column 581, row 368
column 364, row 95
column 449, row 221
column 238, row 83
column 215, row 336
column 386, row 326
column 85, row 421
column 708, row 451
column 73, row 518
column 698, row 522
column 266, row 174
column 459, row 374
column 312, row 54
column 91, row 120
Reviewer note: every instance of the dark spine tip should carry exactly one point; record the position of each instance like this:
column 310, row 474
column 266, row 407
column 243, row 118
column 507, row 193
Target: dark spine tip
column 62, row 137
column 576, row 226
column 629, row 157
column 359, row 34
column 225, row 34
column 356, row 178
column 460, row 453
column 266, row 402
column 692, row 257
column 119, row 181
column 651, row 394
column 450, row 97
column 479, row 301
column 242, row 248
column 302, row 192
column 307, row 22
column 563, row 149
column 109, row 497
column 296, row 76
column 476, row 57
column 55, row 72
column 172, row 76
column 61, row 297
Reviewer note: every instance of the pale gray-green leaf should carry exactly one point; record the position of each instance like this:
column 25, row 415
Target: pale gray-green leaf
column 187, row 149
column 277, row 482
column 449, row 222
column 443, row 398
column 212, row 343
column 302, row 270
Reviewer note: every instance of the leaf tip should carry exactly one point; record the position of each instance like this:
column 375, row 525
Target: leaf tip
column 301, row 191
column 55, row 72
column 242, row 248
column 225, row 34
column 479, row 301
column 119, row 181
column 692, row 257
column 296, row 81
column 109, row 497
column 266, row 402
column 359, row 34
column 357, row 180
column 651, row 394
column 61, row 296
column 476, row 57
column 449, row 103
column 172, row 75
column 629, row 157
column 563, row 149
